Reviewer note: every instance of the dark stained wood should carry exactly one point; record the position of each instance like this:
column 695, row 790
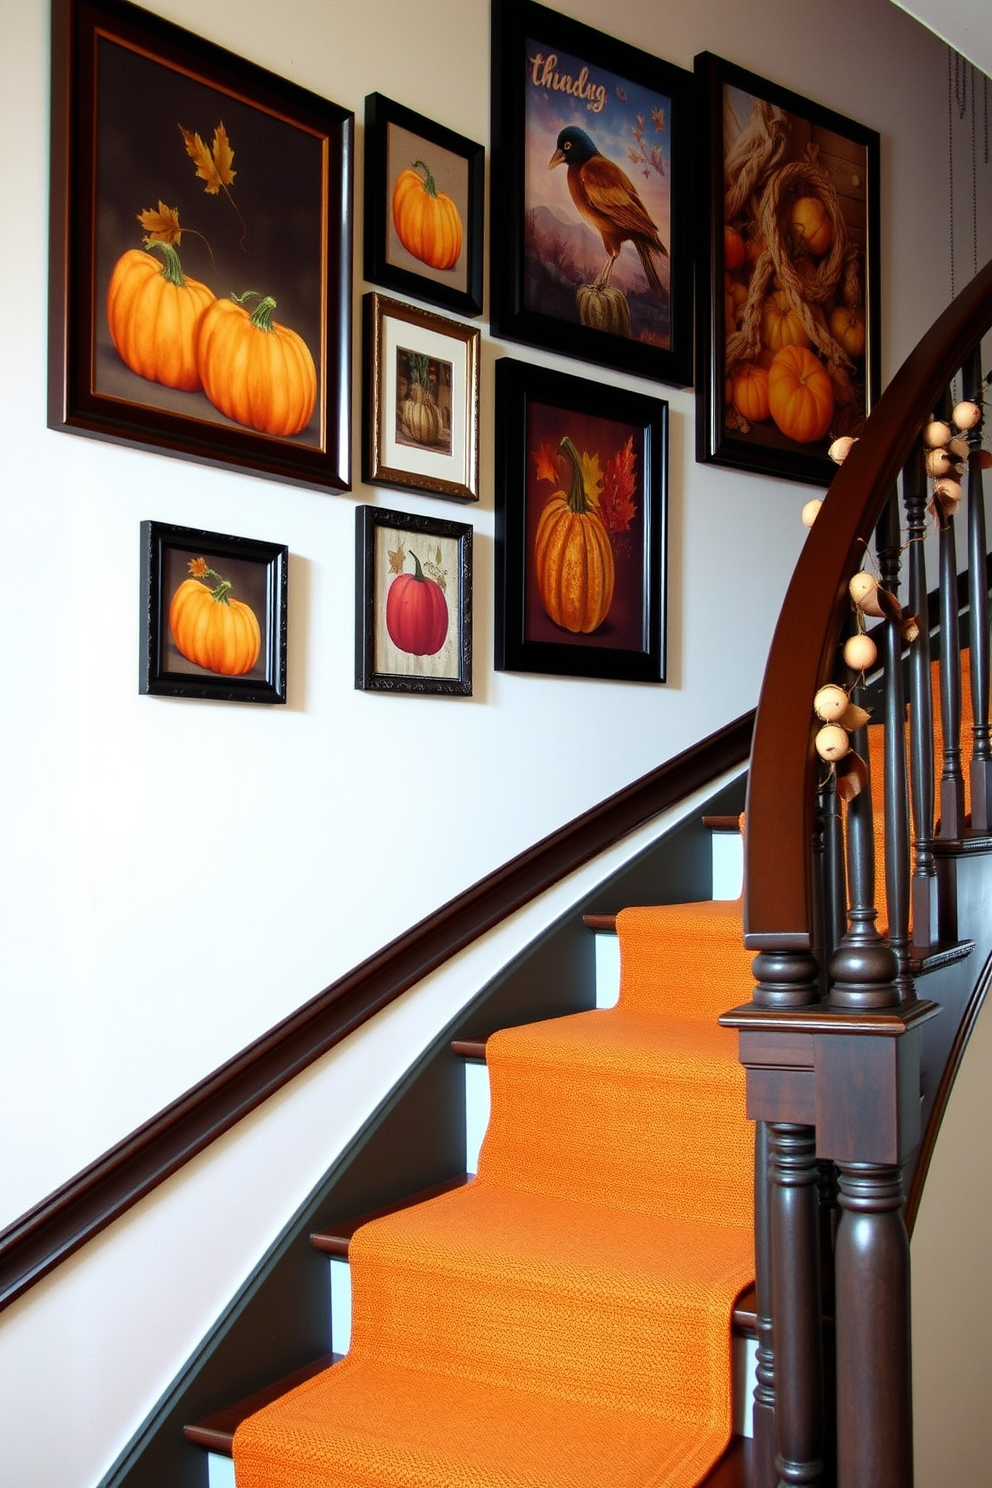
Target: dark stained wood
column 794, row 1211
column 604, row 923
column 734, row 1468
column 952, row 814
column 470, row 1048
column 923, row 892
column 337, row 1240
column 722, row 823
column 53, row 1230
column 981, row 651
column 778, row 896
column 215, row 1433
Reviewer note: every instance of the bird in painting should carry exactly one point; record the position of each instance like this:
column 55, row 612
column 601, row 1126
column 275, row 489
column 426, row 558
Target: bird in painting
column 607, row 199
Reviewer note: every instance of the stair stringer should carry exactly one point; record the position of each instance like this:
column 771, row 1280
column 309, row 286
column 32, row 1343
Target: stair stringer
column 278, row 1318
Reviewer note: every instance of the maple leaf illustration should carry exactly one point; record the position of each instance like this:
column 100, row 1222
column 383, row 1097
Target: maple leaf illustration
column 546, row 460
column 397, row 559
column 616, row 505
column 161, row 226
column 213, row 165
column 592, row 476
column 658, row 120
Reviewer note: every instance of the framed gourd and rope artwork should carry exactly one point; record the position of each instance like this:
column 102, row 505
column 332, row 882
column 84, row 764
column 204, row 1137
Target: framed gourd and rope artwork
column 200, row 250
column 788, row 285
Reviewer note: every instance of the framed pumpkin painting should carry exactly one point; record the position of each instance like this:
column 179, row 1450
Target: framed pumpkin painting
column 413, row 603
column 788, row 283
column 581, row 526
column 424, row 207
column 213, row 615
column 200, row 279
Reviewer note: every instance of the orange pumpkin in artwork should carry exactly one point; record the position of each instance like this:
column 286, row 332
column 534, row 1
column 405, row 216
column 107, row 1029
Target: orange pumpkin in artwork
column 781, row 323
column 427, row 221
column 750, row 392
column 573, row 560
column 800, row 394
column 210, row 628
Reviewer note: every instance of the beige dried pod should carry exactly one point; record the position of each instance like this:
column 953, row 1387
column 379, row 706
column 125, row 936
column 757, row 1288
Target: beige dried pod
column 959, row 448
column 939, row 462
column 860, row 652
column 948, row 490
column 853, row 718
column 863, row 589
column 832, row 742
column 811, row 511
column 937, row 434
column 830, row 703
column 967, row 414
column 841, row 448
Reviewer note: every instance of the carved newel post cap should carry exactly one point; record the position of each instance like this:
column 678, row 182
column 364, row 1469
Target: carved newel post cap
column 785, row 979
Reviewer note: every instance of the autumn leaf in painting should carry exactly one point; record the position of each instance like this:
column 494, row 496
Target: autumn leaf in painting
column 616, row 501
column 213, row 165
column 546, row 460
column 397, row 558
column 161, row 226
column 592, row 476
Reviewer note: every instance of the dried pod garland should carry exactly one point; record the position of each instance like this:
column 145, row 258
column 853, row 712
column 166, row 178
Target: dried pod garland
column 946, row 452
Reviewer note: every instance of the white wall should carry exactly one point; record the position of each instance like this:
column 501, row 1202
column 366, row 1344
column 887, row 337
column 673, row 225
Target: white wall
column 178, row 876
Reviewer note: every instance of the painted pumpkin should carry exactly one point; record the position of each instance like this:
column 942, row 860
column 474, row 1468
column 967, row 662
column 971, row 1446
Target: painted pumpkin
column 256, row 371
column 749, row 390
column 416, row 613
column 573, row 560
column 733, row 248
column 847, row 326
column 781, row 323
column 604, row 309
column 800, row 394
column 210, row 628
column 153, row 311
column 427, row 221
column 422, row 419
column 811, row 226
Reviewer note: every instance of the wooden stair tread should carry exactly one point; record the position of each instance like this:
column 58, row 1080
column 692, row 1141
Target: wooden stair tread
column 216, row 1432
column 335, row 1241
column 734, row 1468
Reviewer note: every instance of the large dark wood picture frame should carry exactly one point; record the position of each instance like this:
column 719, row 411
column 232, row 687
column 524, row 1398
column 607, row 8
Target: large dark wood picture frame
column 787, row 277
column 552, row 282
column 184, row 174
column 581, row 526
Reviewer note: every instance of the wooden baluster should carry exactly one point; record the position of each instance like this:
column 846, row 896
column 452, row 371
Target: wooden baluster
column 926, row 930
column 951, row 778
column 895, row 794
column 874, row 1377
column 765, row 1448
column 794, row 1176
column 785, row 979
column 863, row 969
column 978, row 597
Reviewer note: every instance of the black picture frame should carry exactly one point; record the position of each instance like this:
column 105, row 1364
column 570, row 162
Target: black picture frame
column 444, row 561
column 550, row 71
column 783, row 177
column 396, row 140
column 430, row 445
column 144, row 117
column 250, row 573
column 536, row 409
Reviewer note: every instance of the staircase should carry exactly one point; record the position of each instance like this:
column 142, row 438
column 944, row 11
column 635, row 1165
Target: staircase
column 216, row 1432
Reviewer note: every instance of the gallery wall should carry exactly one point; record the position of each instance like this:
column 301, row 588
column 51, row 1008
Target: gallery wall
column 180, row 875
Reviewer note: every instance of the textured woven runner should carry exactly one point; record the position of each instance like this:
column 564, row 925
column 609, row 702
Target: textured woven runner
column 563, row 1321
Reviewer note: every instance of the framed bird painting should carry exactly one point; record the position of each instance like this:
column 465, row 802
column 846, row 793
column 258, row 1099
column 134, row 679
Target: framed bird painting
column 591, row 241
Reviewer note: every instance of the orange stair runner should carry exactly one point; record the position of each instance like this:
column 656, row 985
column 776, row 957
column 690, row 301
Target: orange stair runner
column 563, row 1321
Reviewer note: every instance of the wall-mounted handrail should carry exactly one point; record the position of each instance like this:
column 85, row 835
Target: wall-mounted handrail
column 57, row 1227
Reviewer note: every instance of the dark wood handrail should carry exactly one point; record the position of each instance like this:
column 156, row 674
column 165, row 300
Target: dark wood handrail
column 57, row 1227
column 778, row 905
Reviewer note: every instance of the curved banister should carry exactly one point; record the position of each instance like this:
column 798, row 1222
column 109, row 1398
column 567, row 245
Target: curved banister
column 778, row 905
